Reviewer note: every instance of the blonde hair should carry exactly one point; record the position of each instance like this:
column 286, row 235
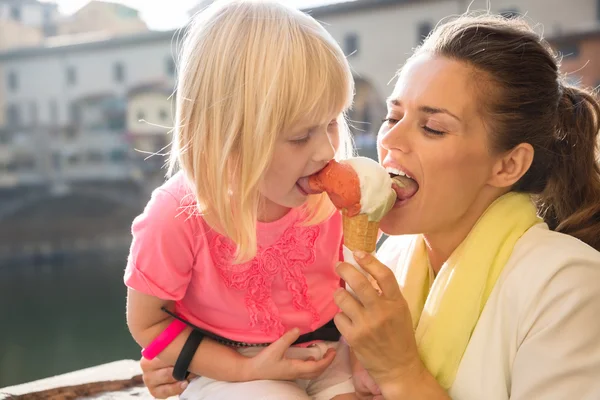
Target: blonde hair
column 250, row 70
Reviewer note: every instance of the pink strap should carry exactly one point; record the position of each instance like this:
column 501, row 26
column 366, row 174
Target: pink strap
column 165, row 338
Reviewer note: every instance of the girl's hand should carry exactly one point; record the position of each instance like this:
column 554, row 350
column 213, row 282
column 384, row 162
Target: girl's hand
column 271, row 363
column 365, row 386
column 378, row 326
column 158, row 378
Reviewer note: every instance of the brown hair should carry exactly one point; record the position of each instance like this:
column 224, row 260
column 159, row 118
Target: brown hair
column 528, row 101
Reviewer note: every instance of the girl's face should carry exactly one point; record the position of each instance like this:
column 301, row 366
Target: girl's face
column 434, row 133
column 299, row 153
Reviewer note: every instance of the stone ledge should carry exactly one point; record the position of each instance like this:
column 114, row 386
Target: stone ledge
column 116, row 380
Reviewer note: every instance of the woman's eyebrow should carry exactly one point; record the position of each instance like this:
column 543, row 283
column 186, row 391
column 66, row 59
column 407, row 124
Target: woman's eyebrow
column 436, row 110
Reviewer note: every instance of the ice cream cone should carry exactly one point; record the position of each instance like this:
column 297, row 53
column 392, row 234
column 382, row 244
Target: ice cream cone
column 360, row 233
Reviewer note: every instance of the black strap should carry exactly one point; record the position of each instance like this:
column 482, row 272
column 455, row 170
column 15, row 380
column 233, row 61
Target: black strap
column 180, row 370
column 328, row 332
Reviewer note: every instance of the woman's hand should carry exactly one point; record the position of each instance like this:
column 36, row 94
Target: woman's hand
column 364, row 385
column 378, row 326
column 272, row 363
column 158, row 378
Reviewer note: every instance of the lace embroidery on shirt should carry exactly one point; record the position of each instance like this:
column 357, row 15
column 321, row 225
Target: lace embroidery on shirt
column 288, row 258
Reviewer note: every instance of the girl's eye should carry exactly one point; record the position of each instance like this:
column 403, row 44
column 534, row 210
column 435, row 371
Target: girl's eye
column 433, row 131
column 390, row 121
column 301, row 140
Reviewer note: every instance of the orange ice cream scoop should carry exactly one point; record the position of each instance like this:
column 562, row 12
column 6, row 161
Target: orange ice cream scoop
column 342, row 184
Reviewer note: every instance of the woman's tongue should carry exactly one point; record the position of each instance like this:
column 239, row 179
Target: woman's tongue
column 404, row 187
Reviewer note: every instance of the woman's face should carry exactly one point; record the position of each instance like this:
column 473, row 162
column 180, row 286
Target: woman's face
column 434, row 133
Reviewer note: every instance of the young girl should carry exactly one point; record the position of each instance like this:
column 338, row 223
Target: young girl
column 234, row 243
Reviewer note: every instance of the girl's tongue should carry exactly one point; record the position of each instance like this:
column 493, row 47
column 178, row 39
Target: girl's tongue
column 404, row 187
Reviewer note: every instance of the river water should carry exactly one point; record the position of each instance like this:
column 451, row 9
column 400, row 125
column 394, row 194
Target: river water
column 59, row 318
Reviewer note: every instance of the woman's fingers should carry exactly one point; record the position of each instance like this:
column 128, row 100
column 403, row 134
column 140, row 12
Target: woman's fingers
column 359, row 284
column 383, row 275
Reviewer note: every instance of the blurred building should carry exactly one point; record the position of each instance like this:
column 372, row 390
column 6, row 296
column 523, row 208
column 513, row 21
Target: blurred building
column 82, row 96
column 72, row 97
column 16, row 34
column 101, row 16
column 580, row 51
column 378, row 35
column 31, row 13
column 149, row 120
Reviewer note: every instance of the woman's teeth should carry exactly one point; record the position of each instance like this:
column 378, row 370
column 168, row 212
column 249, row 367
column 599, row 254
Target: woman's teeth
column 397, row 172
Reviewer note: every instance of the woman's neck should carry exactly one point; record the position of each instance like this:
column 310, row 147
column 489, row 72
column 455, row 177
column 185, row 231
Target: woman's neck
column 441, row 244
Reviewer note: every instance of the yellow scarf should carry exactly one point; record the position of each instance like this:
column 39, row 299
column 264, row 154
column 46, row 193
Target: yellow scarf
column 446, row 309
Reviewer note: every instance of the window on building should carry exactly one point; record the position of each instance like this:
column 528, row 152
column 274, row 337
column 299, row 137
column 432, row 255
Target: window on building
column 118, row 155
column 119, row 72
column 163, row 114
column 568, row 49
column 47, row 15
column 74, row 113
column 73, row 159
column 5, row 137
column 351, row 45
column 53, row 107
column 13, row 81
column 13, row 115
column 25, row 163
column 95, row 156
column 170, row 67
column 71, row 76
column 56, row 160
column 70, row 133
column 33, row 112
column 423, row 30
column 15, row 13
column 510, row 13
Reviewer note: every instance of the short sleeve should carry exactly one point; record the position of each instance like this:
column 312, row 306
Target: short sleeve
column 163, row 248
column 559, row 357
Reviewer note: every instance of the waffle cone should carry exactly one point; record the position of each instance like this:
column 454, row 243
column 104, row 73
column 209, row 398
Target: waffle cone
column 360, row 233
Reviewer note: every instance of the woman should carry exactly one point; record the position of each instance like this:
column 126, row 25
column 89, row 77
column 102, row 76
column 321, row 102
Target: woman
column 488, row 301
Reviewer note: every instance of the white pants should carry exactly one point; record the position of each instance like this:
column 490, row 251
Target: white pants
column 335, row 380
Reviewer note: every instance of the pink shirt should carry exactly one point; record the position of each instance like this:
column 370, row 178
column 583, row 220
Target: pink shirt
column 290, row 283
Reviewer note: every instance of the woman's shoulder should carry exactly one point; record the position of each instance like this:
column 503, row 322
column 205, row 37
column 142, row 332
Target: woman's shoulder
column 550, row 273
column 542, row 253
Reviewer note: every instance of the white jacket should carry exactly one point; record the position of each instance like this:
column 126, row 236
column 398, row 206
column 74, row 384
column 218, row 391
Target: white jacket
column 538, row 336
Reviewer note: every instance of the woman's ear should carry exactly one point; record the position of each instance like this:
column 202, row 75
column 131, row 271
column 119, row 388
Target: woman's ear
column 511, row 166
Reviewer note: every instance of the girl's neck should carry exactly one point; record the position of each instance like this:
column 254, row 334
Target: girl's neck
column 270, row 212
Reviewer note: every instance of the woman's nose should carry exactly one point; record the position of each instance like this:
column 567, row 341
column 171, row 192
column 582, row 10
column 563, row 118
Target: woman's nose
column 396, row 137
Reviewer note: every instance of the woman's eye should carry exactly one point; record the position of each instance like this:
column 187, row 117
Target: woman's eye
column 433, row 131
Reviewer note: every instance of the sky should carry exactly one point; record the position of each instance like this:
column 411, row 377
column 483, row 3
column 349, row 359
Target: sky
column 163, row 14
